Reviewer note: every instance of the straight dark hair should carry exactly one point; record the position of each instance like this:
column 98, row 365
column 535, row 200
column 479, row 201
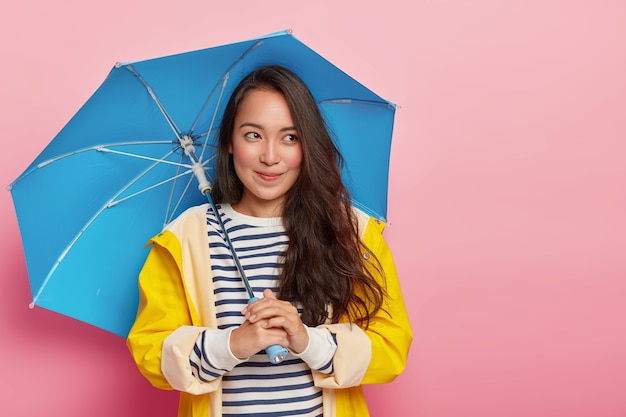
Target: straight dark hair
column 325, row 271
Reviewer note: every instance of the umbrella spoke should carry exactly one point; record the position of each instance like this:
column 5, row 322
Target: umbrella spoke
column 208, row 133
column 160, row 105
column 171, row 210
column 203, row 144
column 223, row 81
column 106, row 148
column 109, row 148
column 353, row 100
column 115, row 201
column 133, row 155
column 170, row 121
column 157, row 161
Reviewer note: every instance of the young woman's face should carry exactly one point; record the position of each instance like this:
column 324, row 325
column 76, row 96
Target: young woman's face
column 267, row 153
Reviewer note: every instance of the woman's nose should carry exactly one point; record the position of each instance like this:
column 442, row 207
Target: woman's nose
column 270, row 154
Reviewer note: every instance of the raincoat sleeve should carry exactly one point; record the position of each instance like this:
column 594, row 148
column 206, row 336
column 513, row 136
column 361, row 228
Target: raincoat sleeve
column 165, row 330
column 162, row 309
column 376, row 355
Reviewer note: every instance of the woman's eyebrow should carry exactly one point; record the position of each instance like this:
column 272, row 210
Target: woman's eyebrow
column 250, row 124
column 258, row 126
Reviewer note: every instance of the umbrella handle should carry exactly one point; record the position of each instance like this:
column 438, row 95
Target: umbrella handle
column 275, row 353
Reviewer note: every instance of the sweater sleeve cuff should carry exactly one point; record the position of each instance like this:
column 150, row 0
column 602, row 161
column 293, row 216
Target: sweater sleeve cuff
column 321, row 348
column 217, row 347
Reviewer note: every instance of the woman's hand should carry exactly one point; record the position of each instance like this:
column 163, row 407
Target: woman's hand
column 251, row 338
column 273, row 319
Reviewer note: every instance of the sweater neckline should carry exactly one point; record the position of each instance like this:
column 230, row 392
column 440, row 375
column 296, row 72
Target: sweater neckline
column 241, row 218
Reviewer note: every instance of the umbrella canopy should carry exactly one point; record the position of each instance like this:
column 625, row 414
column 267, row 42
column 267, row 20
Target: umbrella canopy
column 116, row 174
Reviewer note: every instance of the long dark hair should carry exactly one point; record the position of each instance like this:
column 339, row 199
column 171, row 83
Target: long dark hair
column 324, row 263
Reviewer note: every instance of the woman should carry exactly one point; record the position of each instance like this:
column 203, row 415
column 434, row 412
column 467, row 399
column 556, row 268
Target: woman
column 325, row 277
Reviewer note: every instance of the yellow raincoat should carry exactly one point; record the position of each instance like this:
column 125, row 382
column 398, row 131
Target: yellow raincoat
column 176, row 305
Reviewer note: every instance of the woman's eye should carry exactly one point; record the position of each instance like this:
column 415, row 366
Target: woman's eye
column 291, row 138
column 252, row 135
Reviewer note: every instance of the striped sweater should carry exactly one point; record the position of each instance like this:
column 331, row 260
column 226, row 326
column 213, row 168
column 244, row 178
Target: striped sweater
column 254, row 386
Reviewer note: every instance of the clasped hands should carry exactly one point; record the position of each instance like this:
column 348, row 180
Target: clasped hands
column 269, row 321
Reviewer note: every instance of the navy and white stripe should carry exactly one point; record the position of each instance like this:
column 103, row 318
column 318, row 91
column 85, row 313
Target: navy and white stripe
column 255, row 387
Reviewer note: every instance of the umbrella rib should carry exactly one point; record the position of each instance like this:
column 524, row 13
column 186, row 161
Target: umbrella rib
column 171, row 196
column 99, row 148
column 208, row 100
column 168, row 118
column 65, row 252
column 112, row 202
column 208, row 133
column 354, row 100
column 366, row 209
column 171, row 210
column 148, row 158
column 224, row 80
column 104, row 148
column 205, row 144
column 156, row 161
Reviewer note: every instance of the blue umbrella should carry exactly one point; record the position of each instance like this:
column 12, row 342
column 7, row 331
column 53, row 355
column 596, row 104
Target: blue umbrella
column 118, row 172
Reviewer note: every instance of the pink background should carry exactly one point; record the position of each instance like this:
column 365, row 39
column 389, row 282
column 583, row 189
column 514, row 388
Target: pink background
column 507, row 191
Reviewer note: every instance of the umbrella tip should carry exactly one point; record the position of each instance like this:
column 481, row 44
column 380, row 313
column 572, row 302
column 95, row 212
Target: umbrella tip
column 31, row 305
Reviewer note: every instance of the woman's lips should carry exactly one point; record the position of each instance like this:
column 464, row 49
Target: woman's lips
column 267, row 176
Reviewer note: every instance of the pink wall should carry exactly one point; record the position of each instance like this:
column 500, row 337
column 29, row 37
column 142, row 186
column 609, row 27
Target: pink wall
column 507, row 192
